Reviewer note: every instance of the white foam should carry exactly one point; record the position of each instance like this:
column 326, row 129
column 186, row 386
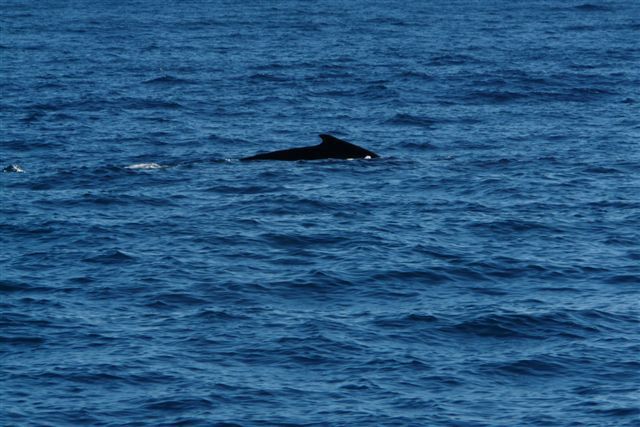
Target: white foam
column 143, row 166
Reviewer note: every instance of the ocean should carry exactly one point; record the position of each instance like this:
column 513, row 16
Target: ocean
column 484, row 271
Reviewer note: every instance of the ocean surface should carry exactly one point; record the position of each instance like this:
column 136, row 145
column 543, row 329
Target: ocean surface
column 485, row 271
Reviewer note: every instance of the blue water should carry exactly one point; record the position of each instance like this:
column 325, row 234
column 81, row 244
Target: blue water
column 484, row 272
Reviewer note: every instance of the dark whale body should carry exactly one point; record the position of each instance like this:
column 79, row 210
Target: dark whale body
column 13, row 168
column 330, row 148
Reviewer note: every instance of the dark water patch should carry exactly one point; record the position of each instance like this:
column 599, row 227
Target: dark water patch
column 590, row 93
column 528, row 367
column 92, row 199
column 29, row 229
column 86, row 104
column 497, row 97
column 624, row 279
column 22, row 321
column 631, row 411
column 219, row 315
column 331, row 75
column 418, row 75
column 270, row 77
column 30, row 145
column 315, row 282
column 300, row 241
column 45, row 107
column 178, row 405
column 559, row 289
column 79, row 376
column 273, row 66
column 617, row 241
column 426, row 277
column 377, row 92
column 516, row 226
column 62, row 117
column 530, row 326
column 149, row 104
column 451, row 59
column 9, row 286
column 31, row 47
column 581, row 28
column 410, row 120
column 22, row 340
column 336, row 93
column 18, row 15
column 176, row 299
column 33, row 117
column 404, row 321
column 155, row 119
column 415, row 317
column 168, row 80
column 423, row 145
column 590, row 7
column 495, row 292
column 387, row 20
column 439, row 252
column 624, row 205
column 112, row 257
column 292, row 203
column 601, row 170
column 495, row 162
column 251, row 189
column 50, row 85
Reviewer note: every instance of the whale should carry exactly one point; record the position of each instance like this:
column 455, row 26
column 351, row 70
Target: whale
column 13, row 169
column 330, row 148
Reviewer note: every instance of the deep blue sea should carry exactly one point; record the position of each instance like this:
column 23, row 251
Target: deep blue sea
column 485, row 271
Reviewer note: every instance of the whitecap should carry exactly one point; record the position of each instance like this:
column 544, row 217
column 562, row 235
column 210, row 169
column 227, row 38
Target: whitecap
column 144, row 166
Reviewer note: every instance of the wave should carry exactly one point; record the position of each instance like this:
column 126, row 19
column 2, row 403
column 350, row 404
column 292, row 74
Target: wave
column 602, row 170
column 516, row 226
column 270, row 77
column 112, row 257
column 404, row 321
column 168, row 81
column 577, row 324
column 179, row 405
column 246, row 189
column 451, row 59
column 176, row 299
column 423, row 145
column 149, row 104
column 425, row 276
column 498, row 97
column 419, row 75
column 209, row 314
column 411, row 120
column 528, row 367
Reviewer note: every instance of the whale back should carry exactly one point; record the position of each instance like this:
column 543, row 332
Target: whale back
column 344, row 149
column 330, row 148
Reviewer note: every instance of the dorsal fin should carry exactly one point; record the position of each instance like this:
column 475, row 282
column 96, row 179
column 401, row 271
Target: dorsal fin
column 331, row 140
